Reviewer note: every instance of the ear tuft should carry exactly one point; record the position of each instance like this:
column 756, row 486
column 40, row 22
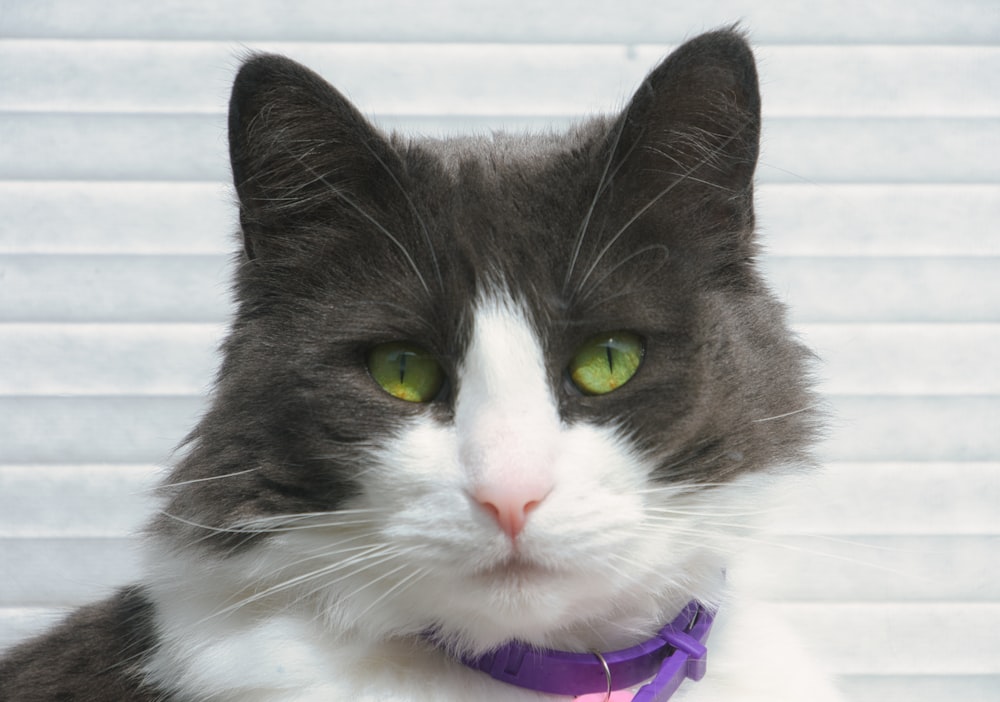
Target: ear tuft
column 697, row 114
column 300, row 151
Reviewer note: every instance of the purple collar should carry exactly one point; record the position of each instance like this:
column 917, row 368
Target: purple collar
column 676, row 652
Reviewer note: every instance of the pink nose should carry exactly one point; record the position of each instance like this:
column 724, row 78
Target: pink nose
column 510, row 505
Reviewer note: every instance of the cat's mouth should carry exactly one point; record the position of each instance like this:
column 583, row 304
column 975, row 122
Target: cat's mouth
column 515, row 569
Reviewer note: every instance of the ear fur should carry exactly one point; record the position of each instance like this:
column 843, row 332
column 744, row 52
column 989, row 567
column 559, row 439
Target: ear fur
column 701, row 109
column 683, row 154
column 300, row 153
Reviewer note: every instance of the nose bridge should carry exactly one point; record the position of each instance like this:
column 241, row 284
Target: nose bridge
column 505, row 414
column 498, row 447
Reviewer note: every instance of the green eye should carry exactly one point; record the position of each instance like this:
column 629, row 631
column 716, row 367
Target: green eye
column 606, row 362
column 406, row 371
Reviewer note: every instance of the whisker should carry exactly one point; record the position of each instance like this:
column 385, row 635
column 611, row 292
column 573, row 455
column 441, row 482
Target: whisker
column 325, row 513
column 637, row 283
column 329, row 549
column 786, row 414
column 322, row 178
column 593, row 203
column 414, row 211
column 208, row 527
column 691, row 513
column 825, row 554
column 697, row 535
column 642, row 210
column 202, row 480
column 257, row 526
column 373, row 552
column 633, row 565
column 379, row 579
column 295, row 522
column 403, row 585
column 708, row 157
column 862, row 545
column 680, row 488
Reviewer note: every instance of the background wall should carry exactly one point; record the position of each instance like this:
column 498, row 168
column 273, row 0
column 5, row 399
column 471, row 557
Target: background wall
column 879, row 203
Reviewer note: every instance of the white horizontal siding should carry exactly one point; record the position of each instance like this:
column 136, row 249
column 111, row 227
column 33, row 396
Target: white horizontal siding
column 921, row 688
column 883, row 289
column 497, row 80
column 165, row 288
column 896, row 498
column 625, row 21
column 75, row 501
column 879, row 194
column 93, row 429
column 963, row 641
column 65, row 570
column 141, row 217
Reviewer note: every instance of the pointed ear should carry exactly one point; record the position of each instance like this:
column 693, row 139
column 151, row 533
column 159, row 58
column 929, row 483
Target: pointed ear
column 696, row 117
column 301, row 154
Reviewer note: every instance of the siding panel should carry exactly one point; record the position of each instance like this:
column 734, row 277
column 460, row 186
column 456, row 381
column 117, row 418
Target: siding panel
column 491, row 80
column 625, row 21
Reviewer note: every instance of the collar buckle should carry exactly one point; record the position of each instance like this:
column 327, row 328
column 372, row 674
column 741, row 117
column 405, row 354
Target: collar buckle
column 688, row 659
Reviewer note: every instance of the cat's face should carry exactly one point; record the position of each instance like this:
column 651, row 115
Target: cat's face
column 493, row 388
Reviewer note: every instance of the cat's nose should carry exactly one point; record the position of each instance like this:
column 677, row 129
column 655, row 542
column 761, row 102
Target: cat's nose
column 510, row 505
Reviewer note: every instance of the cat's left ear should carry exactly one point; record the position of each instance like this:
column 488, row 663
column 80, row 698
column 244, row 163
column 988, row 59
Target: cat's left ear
column 690, row 135
column 301, row 154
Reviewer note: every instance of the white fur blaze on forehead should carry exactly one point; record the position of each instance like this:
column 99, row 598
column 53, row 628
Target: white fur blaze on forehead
column 505, row 357
column 505, row 410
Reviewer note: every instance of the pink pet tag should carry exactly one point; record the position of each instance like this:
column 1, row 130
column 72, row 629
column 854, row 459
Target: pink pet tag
column 617, row 696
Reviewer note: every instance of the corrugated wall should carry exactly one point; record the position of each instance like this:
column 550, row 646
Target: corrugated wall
column 879, row 202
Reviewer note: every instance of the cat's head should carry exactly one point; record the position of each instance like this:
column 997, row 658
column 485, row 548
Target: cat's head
column 496, row 387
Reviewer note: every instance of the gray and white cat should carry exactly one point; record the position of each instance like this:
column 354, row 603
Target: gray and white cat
column 477, row 390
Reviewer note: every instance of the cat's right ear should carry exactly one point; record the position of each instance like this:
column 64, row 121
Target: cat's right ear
column 301, row 154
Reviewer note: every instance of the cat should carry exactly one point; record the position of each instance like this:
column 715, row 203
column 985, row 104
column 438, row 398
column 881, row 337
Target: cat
column 477, row 390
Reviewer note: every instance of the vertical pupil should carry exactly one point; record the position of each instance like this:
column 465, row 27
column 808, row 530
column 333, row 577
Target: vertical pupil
column 611, row 362
column 402, row 366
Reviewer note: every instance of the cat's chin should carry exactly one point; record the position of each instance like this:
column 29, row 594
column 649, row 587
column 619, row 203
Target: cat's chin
column 549, row 608
column 539, row 624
